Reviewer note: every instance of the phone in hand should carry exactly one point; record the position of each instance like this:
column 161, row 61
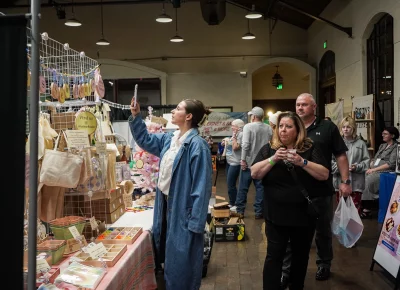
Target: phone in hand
column 135, row 96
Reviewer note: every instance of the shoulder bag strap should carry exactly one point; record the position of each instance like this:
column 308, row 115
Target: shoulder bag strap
column 300, row 186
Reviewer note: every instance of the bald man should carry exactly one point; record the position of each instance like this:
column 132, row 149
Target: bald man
column 326, row 136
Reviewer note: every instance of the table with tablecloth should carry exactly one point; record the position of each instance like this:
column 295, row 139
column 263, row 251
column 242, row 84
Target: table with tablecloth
column 386, row 184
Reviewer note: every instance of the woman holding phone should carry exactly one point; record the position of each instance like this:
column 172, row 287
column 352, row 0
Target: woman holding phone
column 182, row 194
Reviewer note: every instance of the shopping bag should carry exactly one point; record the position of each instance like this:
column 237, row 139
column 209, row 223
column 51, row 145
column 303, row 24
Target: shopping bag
column 347, row 225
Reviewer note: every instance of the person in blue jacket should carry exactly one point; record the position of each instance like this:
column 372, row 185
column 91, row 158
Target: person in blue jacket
column 182, row 194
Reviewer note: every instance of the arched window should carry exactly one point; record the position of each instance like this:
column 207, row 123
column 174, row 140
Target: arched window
column 327, row 82
column 380, row 77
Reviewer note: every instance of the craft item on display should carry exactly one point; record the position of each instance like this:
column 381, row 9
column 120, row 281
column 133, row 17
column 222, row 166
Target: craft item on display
column 147, row 169
column 99, row 84
column 42, row 84
column 82, row 90
column 118, row 172
column 74, row 245
column 147, row 200
column 138, row 208
column 120, row 235
column 60, row 227
column 81, row 275
column 55, row 248
column 113, row 253
column 86, row 121
column 67, row 89
column 50, row 277
column 95, row 182
column 75, row 90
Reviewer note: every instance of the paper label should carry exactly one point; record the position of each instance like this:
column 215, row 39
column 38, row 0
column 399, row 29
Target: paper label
column 101, row 147
column 74, row 232
column 96, row 251
column 42, row 266
column 377, row 161
column 93, row 223
column 86, row 121
column 77, row 138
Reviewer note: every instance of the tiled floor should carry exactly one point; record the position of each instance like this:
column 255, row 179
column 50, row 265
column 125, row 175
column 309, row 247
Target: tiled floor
column 238, row 265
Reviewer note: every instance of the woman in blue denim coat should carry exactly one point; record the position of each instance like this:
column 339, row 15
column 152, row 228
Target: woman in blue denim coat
column 183, row 192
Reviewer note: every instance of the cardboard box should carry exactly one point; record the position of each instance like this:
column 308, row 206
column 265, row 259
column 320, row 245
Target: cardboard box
column 224, row 231
column 104, row 205
column 220, row 213
column 110, row 218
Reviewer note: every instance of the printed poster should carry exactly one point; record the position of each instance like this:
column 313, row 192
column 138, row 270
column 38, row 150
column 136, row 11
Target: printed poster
column 335, row 112
column 219, row 124
column 387, row 253
column 362, row 107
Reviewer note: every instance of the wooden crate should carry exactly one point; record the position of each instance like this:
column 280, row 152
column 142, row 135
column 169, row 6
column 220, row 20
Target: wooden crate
column 114, row 253
column 120, row 235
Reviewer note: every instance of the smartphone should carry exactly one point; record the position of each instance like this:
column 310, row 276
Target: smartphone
column 135, row 96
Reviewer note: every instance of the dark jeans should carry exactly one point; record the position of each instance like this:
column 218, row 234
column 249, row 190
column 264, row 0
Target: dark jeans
column 232, row 174
column 244, row 184
column 278, row 238
column 323, row 236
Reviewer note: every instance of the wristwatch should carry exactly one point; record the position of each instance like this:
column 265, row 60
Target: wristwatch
column 305, row 162
column 347, row 181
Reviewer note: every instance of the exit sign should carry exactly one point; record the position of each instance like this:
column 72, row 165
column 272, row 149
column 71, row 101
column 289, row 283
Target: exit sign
column 279, row 87
column 325, row 44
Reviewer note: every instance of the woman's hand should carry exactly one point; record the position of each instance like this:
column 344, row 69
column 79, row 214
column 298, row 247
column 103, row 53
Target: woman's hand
column 135, row 110
column 280, row 154
column 353, row 167
column 369, row 171
column 295, row 159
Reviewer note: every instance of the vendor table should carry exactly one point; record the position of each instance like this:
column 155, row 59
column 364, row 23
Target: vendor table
column 135, row 269
column 386, row 184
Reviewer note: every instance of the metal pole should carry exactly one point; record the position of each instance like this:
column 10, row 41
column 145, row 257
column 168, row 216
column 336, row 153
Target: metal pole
column 33, row 160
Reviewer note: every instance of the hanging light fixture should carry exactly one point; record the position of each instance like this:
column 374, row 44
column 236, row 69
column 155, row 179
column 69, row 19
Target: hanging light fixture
column 277, row 79
column 73, row 22
column 248, row 35
column 163, row 17
column 102, row 40
column 176, row 38
column 253, row 14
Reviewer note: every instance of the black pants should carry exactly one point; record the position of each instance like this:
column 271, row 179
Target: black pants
column 323, row 236
column 278, row 238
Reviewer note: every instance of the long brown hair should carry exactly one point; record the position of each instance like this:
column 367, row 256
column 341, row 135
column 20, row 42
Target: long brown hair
column 198, row 110
column 302, row 143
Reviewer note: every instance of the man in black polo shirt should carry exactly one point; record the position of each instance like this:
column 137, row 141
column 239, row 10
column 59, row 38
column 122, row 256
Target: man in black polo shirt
column 326, row 136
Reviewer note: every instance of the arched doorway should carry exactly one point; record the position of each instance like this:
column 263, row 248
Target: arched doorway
column 327, row 82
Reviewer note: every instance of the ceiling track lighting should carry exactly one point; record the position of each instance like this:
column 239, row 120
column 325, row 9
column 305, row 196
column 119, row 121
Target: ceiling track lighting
column 73, row 22
column 248, row 35
column 102, row 40
column 253, row 14
column 163, row 17
column 177, row 37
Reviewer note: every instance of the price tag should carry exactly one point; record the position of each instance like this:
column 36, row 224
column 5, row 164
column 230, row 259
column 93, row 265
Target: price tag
column 97, row 251
column 101, row 147
column 74, row 232
column 93, row 223
column 42, row 266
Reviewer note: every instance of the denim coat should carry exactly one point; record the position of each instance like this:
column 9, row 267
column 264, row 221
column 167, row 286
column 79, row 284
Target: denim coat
column 188, row 199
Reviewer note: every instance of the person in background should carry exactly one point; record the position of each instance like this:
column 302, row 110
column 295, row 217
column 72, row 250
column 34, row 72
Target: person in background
column 358, row 157
column 326, row 136
column 285, row 205
column 383, row 161
column 273, row 119
column 182, row 194
column 255, row 135
column 232, row 154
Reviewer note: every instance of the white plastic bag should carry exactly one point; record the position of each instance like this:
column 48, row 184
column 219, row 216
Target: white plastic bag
column 347, row 225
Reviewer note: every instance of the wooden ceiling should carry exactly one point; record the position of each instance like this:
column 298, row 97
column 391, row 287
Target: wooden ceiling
column 277, row 10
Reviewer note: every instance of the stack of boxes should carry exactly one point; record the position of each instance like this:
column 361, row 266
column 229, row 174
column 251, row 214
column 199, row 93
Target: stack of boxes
column 226, row 227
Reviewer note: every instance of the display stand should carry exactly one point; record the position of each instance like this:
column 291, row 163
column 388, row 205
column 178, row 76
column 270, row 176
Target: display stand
column 387, row 251
column 363, row 112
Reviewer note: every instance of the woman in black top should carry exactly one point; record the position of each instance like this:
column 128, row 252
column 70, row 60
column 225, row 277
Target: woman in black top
column 285, row 206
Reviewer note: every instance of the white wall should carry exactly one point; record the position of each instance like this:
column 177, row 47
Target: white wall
column 295, row 82
column 351, row 53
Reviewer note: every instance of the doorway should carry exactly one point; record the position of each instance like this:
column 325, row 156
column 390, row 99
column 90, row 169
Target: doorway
column 327, row 82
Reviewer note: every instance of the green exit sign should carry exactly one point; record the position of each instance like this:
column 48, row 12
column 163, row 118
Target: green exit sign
column 325, row 44
column 279, row 87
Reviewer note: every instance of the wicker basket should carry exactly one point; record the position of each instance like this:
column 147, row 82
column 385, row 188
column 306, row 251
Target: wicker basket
column 54, row 247
column 60, row 226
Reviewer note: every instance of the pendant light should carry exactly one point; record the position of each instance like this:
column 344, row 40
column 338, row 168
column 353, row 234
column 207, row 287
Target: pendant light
column 253, row 14
column 102, row 40
column 163, row 17
column 248, row 35
column 176, row 38
column 277, row 79
column 73, row 22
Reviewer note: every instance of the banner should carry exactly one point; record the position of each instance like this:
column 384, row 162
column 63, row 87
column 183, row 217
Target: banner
column 335, row 112
column 387, row 252
column 363, row 108
column 219, row 124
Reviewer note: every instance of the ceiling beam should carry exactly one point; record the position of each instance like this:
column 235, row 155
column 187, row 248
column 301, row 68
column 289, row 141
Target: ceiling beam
column 347, row 30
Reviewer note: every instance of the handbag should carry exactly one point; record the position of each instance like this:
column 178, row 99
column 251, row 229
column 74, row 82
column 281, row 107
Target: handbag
column 312, row 209
column 61, row 168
